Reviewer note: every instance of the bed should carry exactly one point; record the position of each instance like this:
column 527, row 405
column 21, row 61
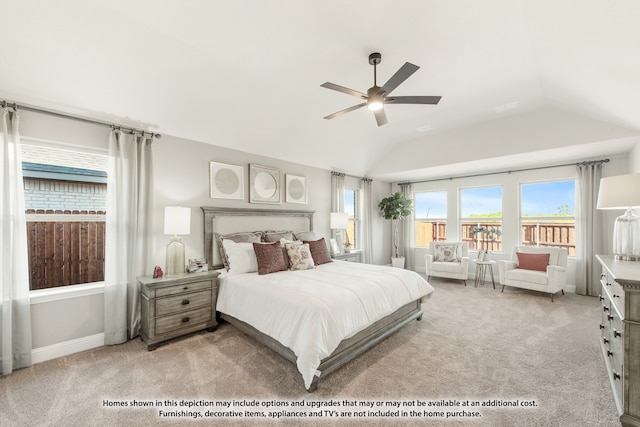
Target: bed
column 319, row 318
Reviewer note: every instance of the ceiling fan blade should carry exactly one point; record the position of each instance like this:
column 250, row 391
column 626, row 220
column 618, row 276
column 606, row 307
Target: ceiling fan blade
column 346, row 110
column 381, row 117
column 413, row 100
column 343, row 89
column 401, row 75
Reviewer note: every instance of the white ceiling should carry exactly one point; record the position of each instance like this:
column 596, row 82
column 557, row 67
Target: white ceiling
column 246, row 74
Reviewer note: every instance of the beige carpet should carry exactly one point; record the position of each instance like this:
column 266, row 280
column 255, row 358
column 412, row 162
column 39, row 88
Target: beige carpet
column 474, row 345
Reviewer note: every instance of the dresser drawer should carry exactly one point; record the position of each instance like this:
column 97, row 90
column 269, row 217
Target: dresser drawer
column 185, row 287
column 183, row 320
column 614, row 289
column 183, row 302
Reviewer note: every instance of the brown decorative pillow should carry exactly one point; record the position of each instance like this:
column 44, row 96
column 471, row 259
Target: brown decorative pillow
column 319, row 251
column 275, row 236
column 246, row 237
column 270, row 257
column 299, row 256
column 538, row 262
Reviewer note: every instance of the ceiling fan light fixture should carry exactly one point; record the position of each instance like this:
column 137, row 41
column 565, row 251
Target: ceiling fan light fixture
column 374, row 105
column 375, row 98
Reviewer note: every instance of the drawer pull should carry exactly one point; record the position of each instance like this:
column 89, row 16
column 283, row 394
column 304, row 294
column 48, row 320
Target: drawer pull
column 601, row 326
column 601, row 297
column 186, row 288
column 609, row 353
column 616, row 333
column 609, row 316
column 605, row 308
column 616, row 376
column 616, row 296
column 185, row 302
column 185, row 319
column 604, row 340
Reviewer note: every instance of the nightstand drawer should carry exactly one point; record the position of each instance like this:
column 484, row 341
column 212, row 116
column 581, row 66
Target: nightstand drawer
column 183, row 320
column 178, row 289
column 183, row 302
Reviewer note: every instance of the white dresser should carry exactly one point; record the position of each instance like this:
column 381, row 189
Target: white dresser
column 620, row 334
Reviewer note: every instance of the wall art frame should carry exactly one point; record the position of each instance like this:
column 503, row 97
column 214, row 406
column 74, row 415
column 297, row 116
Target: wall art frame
column 226, row 181
column 295, row 189
column 264, row 184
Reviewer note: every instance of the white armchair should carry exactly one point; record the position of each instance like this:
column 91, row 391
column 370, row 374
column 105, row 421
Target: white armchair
column 448, row 259
column 534, row 272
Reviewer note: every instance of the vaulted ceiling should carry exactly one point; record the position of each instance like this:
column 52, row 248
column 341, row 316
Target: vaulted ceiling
column 528, row 80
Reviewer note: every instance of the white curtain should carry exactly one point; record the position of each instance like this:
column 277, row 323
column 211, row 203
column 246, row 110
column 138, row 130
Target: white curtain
column 15, row 310
column 590, row 228
column 129, row 230
column 367, row 221
column 337, row 195
column 405, row 231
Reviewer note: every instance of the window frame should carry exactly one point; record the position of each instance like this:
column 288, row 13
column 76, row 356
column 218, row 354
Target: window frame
column 538, row 219
column 475, row 244
column 437, row 220
column 356, row 243
column 64, row 292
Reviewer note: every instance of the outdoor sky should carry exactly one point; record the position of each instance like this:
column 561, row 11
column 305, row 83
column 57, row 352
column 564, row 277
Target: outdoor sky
column 537, row 199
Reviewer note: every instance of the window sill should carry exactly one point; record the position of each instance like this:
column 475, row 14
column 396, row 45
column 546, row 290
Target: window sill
column 66, row 292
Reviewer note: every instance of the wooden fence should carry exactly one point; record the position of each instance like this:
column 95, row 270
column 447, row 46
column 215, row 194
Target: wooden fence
column 533, row 233
column 65, row 247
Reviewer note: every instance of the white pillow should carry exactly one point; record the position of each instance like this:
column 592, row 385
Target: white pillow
column 242, row 257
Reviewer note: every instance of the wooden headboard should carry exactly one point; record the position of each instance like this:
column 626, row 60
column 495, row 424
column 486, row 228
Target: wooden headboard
column 233, row 220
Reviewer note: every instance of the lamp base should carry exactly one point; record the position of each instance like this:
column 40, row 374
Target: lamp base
column 175, row 257
column 626, row 237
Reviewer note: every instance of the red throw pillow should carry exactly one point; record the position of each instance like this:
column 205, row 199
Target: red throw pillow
column 270, row 257
column 538, row 262
column 319, row 251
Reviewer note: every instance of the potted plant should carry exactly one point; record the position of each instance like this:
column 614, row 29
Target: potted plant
column 396, row 208
column 348, row 247
column 489, row 234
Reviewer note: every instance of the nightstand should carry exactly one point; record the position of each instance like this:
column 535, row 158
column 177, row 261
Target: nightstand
column 177, row 305
column 353, row 256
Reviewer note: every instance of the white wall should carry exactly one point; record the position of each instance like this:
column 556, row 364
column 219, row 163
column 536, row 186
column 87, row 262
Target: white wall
column 182, row 178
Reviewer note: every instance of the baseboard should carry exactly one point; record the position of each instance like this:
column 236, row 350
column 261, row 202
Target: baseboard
column 66, row 348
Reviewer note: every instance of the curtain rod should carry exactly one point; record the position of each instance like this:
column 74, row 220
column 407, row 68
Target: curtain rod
column 131, row 130
column 585, row 163
column 362, row 178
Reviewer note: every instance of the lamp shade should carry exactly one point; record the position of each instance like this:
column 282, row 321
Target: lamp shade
column 619, row 192
column 177, row 220
column 339, row 220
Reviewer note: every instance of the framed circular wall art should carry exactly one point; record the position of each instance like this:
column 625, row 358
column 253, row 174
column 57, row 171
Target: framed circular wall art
column 227, row 181
column 264, row 184
column 295, row 189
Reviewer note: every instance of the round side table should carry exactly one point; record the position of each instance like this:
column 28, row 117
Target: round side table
column 481, row 271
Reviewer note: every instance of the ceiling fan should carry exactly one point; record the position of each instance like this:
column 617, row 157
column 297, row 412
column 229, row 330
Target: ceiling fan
column 376, row 96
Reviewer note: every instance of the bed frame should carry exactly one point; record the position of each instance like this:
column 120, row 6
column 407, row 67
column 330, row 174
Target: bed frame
column 226, row 220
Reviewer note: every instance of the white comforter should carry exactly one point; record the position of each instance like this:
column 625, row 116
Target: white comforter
column 311, row 311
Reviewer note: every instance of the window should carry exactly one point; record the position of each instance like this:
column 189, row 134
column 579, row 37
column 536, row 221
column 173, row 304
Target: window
column 65, row 203
column 430, row 217
column 481, row 217
column 547, row 215
column 351, row 205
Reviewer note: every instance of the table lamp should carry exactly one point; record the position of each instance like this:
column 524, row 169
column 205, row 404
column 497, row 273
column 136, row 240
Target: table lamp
column 623, row 192
column 339, row 222
column 177, row 222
